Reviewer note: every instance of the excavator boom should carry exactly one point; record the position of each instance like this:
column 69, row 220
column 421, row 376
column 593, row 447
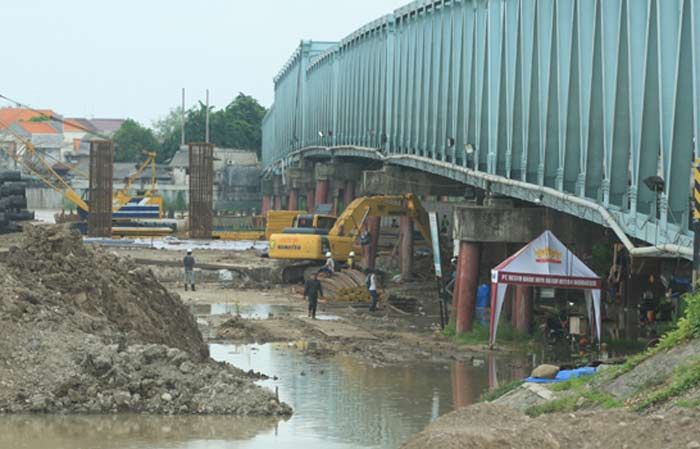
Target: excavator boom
column 353, row 218
column 300, row 244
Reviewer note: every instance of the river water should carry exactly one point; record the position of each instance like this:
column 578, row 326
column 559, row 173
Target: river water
column 339, row 402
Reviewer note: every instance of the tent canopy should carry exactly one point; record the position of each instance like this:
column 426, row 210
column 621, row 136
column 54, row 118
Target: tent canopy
column 544, row 262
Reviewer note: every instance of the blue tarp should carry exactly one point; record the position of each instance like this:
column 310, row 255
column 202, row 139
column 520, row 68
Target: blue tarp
column 564, row 375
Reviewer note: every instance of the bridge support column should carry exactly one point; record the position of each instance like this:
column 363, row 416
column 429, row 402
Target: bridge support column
column 374, row 226
column 278, row 202
column 322, row 187
column 522, row 309
column 465, row 290
column 349, row 193
column 406, row 248
column 310, row 197
column 293, row 201
column 266, row 201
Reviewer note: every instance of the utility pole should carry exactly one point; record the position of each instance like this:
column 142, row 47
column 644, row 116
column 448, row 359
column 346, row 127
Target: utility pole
column 182, row 119
column 206, row 121
column 696, row 223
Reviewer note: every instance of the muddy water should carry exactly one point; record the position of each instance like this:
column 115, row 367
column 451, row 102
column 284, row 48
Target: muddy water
column 338, row 403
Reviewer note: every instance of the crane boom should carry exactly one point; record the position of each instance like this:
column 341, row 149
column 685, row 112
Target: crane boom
column 35, row 163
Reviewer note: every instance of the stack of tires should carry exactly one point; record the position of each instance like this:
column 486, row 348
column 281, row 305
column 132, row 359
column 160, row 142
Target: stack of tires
column 13, row 201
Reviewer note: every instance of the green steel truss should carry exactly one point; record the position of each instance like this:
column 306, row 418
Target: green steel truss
column 587, row 97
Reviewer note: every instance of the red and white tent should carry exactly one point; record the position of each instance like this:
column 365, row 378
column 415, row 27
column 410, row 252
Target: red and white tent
column 544, row 262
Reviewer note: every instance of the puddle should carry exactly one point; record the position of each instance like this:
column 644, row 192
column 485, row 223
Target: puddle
column 339, row 403
column 255, row 311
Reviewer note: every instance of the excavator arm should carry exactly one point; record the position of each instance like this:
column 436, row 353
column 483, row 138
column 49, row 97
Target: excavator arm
column 353, row 218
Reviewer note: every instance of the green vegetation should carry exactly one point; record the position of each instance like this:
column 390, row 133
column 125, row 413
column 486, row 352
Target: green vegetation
column 238, row 125
column 684, row 378
column 132, row 140
column 501, row 391
column 565, row 404
column 480, row 334
column 578, row 394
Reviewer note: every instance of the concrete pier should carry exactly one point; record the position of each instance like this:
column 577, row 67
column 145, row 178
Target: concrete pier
column 293, row 201
column 467, row 282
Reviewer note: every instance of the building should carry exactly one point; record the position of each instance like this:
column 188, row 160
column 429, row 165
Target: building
column 236, row 177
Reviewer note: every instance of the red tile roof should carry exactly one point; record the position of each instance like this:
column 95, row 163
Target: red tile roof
column 38, row 127
column 8, row 116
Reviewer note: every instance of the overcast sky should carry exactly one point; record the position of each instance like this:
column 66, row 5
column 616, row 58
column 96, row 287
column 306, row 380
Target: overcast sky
column 130, row 58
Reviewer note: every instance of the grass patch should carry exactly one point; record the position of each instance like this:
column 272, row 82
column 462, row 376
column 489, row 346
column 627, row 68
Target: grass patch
column 695, row 403
column 480, row 334
column 687, row 328
column 684, row 378
column 561, row 405
column 500, row 391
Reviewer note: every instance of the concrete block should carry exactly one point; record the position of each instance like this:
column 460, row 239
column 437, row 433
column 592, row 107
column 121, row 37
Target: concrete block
column 512, row 225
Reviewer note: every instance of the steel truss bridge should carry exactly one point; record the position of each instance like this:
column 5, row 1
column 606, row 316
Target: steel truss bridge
column 571, row 104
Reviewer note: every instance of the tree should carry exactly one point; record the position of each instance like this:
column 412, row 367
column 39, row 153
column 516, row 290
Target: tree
column 238, row 125
column 133, row 140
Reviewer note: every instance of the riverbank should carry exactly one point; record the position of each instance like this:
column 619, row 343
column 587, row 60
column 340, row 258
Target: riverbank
column 651, row 401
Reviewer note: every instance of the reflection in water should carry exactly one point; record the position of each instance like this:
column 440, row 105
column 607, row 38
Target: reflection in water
column 342, row 400
column 252, row 311
column 338, row 403
column 126, row 431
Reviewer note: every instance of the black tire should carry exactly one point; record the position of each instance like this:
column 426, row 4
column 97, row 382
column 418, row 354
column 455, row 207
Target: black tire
column 14, row 202
column 13, row 188
column 10, row 175
column 20, row 215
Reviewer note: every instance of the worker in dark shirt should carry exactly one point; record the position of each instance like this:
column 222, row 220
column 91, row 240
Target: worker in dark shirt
column 313, row 291
column 188, row 263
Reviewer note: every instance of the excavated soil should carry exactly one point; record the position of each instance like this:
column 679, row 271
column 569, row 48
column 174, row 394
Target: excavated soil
column 486, row 426
column 85, row 331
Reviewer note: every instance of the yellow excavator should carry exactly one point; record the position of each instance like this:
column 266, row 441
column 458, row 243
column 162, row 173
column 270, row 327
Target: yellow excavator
column 311, row 243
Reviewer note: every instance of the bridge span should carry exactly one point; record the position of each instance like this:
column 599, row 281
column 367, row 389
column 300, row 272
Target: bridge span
column 577, row 105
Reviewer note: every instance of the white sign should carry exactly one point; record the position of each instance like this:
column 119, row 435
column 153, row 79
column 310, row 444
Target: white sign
column 435, row 237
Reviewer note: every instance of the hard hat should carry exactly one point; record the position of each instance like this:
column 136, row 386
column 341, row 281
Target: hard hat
column 189, row 251
column 328, row 254
column 352, row 253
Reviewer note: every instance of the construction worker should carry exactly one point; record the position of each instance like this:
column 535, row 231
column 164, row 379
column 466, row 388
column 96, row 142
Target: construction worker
column 312, row 291
column 351, row 260
column 371, row 282
column 188, row 262
column 329, row 267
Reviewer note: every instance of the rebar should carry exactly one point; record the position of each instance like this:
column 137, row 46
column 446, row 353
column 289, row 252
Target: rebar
column 201, row 190
column 100, row 188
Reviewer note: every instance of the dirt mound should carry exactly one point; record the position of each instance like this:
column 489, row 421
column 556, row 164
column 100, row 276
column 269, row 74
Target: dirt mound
column 241, row 330
column 486, row 426
column 52, row 266
column 83, row 331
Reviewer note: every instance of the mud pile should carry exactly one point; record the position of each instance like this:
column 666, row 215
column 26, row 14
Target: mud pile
column 83, row 331
column 54, row 267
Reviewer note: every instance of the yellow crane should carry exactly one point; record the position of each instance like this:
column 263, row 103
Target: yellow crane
column 149, row 197
column 30, row 159
column 312, row 243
